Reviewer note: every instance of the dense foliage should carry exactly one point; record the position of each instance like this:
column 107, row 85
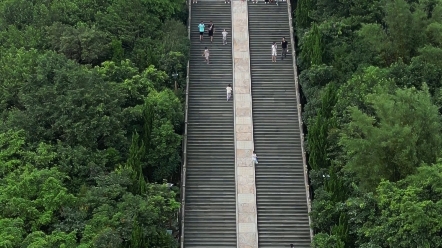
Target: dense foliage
column 371, row 74
column 91, row 122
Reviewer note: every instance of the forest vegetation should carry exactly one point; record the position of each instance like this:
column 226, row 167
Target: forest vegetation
column 371, row 76
column 91, row 122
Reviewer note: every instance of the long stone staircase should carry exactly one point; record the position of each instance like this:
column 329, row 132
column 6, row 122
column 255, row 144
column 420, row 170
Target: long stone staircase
column 210, row 207
column 280, row 187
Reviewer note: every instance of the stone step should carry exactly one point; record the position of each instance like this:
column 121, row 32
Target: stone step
column 210, row 210
column 280, row 187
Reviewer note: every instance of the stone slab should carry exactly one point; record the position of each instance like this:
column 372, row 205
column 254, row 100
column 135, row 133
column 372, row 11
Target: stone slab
column 246, row 198
column 245, row 97
column 245, row 169
column 243, row 120
column 247, row 227
column 240, row 144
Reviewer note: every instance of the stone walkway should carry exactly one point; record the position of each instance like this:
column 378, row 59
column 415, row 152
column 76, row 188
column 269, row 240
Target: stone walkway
column 247, row 229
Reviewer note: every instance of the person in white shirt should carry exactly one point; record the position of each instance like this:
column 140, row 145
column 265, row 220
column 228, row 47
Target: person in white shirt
column 254, row 158
column 224, row 37
column 274, row 51
column 229, row 92
column 206, row 54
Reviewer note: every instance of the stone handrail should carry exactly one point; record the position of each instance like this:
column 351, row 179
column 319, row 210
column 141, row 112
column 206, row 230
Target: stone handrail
column 298, row 101
column 184, row 163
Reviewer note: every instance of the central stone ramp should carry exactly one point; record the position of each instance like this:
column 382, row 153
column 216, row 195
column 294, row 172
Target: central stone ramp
column 280, row 186
column 210, row 207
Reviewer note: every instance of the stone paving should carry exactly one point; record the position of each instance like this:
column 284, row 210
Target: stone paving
column 247, row 229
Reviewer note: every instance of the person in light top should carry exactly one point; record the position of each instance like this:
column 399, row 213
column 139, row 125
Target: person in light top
column 201, row 28
column 206, row 54
column 274, row 51
column 254, row 158
column 229, row 92
column 224, row 37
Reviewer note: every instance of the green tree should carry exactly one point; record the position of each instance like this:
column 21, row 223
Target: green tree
column 323, row 240
column 164, row 143
column 59, row 103
column 80, row 80
column 136, row 19
column 118, row 72
column 29, row 37
column 173, row 63
column 84, row 44
column 117, row 51
column 434, row 34
column 354, row 91
column 409, row 211
column 30, row 200
column 302, row 13
column 312, row 47
column 392, row 143
column 403, row 35
column 134, row 163
column 11, row 150
column 318, row 140
column 121, row 219
column 17, row 12
column 384, row 59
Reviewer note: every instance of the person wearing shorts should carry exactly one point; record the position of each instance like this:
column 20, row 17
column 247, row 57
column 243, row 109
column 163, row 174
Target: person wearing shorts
column 211, row 30
column 274, row 51
column 266, row 1
column 201, row 28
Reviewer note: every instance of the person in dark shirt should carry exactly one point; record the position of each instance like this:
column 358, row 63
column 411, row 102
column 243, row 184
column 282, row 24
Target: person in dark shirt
column 211, row 29
column 284, row 45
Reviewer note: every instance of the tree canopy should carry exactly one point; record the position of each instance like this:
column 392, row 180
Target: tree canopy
column 91, row 122
column 370, row 73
